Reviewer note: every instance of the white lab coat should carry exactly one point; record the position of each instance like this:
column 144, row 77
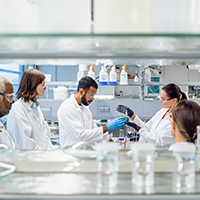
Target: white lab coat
column 27, row 130
column 76, row 124
column 156, row 130
column 5, row 138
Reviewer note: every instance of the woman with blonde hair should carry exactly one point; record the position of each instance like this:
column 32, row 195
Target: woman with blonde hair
column 25, row 123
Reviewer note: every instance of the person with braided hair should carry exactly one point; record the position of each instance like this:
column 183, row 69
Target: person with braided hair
column 158, row 129
column 185, row 119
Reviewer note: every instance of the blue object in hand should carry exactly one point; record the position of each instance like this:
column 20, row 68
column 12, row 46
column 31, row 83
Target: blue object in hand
column 134, row 125
column 125, row 110
column 116, row 123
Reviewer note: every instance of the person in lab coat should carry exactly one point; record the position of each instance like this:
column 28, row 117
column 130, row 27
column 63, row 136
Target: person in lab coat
column 75, row 118
column 158, row 129
column 185, row 119
column 25, row 122
column 6, row 100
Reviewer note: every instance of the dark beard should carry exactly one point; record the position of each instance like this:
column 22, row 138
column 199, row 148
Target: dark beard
column 83, row 100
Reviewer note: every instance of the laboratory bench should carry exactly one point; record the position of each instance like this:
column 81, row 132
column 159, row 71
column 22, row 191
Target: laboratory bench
column 59, row 175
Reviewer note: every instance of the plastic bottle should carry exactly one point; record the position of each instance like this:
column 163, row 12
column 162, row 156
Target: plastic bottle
column 91, row 72
column 118, row 73
column 123, row 76
column 113, row 76
column 82, row 71
column 103, row 76
column 136, row 79
column 121, row 135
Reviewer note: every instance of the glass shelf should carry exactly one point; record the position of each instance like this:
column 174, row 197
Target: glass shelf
column 72, row 49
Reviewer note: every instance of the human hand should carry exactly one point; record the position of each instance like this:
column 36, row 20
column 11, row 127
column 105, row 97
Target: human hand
column 134, row 125
column 116, row 123
column 125, row 110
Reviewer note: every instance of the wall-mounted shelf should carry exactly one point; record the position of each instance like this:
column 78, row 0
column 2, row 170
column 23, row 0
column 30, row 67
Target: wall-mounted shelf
column 177, row 83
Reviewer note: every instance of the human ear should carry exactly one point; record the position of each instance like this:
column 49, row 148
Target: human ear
column 173, row 127
column 82, row 92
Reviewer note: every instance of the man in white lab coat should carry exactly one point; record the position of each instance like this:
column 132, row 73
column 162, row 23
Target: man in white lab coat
column 6, row 100
column 75, row 118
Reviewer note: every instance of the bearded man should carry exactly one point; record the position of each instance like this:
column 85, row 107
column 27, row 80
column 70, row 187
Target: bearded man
column 75, row 118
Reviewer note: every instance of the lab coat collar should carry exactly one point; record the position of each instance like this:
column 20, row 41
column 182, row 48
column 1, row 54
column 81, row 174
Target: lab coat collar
column 80, row 108
column 28, row 107
column 34, row 104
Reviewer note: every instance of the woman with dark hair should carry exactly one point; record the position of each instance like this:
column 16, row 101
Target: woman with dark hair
column 185, row 119
column 158, row 129
column 26, row 124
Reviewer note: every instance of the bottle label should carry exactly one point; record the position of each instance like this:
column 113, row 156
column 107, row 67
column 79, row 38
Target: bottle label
column 103, row 78
column 124, row 76
column 113, row 77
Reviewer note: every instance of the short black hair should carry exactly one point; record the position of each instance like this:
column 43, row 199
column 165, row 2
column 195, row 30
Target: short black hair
column 86, row 82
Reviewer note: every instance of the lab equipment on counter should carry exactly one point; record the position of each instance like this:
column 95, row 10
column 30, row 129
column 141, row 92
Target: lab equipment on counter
column 103, row 76
column 91, row 72
column 107, row 164
column 82, row 71
column 83, row 149
column 60, row 92
column 183, row 164
column 143, row 155
column 47, row 77
column 5, row 169
column 123, row 76
column 113, row 76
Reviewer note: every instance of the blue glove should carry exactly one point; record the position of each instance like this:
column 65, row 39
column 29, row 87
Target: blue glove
column 125, row 110
column 134, row 125
column 116, row 123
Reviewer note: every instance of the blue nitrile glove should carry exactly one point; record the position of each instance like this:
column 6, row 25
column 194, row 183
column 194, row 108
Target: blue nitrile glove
column 116, row 123
column 125, row 110
column 134, row 125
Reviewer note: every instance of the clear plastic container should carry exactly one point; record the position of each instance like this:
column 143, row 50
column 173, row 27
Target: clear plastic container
column 113, row 76
column 107, row 167
column 103, row 76
column 143, row 164
column 123, row 76
column 91, row 72
column 82, row 71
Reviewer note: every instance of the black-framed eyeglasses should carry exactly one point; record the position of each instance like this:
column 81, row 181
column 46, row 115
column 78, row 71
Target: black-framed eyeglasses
column 9, row 97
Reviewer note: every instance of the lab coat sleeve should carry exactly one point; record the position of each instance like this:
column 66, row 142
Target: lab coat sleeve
column 105, row 135
column 161, row 138
column 68, row 121
column 20, row 131
column 148, row 125
column 139, row 122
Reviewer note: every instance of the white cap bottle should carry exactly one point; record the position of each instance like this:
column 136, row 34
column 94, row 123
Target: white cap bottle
column 113, row 76
column 91, row 72
column 123, row 76
column 103, row 76
column 82, row 71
